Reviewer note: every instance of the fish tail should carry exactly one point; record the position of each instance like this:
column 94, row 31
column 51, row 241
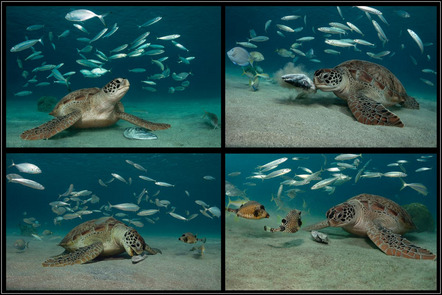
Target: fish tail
column 12, row 165
column 27, row 245
column 41, row 40
column 110, row 205
column 403, row 184
column 101, row 17
column 231, row 210
column 203, row 240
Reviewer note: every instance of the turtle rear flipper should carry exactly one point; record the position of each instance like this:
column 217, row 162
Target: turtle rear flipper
column 395, row 245
column 368, row 111
column 82, row 255
column 317, row 226
column 140, row 122
column 52, row 127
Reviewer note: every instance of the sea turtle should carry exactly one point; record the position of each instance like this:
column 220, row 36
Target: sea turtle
column 90, row 108
column 105, row 236
column 367, row 87
column 379, row 218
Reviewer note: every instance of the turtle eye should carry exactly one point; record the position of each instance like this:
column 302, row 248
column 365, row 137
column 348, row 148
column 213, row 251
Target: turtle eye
column 318, row 72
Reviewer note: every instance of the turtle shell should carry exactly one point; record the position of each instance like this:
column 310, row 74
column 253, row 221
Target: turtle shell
column 75, row 98
column 364, row 74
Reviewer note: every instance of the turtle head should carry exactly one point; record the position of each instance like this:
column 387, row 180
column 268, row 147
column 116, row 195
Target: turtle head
column 133, row 242
column 341, row 215
column 116, row 88
column 328, row 79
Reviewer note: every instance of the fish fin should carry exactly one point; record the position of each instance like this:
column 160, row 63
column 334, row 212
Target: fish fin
column 368, row 111
column 203, row 240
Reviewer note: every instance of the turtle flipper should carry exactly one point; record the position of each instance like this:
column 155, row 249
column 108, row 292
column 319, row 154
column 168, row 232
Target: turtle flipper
column 395, row 245
column 52, row 127
column 319, row 225
column 152, row 251
column 82, row 255
column 368, row 111
column 140, row 122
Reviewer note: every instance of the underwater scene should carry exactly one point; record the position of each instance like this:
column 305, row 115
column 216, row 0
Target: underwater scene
column 149, row 76
column 331, row 76
column 331, row 221
column 127, row 221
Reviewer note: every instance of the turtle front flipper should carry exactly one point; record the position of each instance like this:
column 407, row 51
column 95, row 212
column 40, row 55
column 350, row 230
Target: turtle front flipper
column 368, row 111
column 152, row 251
column 140, row 122
column 395, row 245
column 52, row 127
column 317, row 226
column 82, row 255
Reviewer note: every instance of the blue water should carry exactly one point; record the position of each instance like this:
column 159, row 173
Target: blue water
column 423, row 21
column 185, row 171
column 199, row 28
column 317, row 202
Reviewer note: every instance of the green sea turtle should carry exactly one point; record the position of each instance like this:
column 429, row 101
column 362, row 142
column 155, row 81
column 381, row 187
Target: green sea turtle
column 90, row 108
column 105, row 236
column 367, row 87
column 379, row 218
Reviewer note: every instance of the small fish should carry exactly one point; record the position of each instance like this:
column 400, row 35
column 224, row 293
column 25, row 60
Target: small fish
column 427, row 81
column 369, row 10
column 169, row 37
column 148, row 212
column 21, row 245
column 339, row 43
column 285, row 28
column 422, row 169
column 71, row 216
column 208, row 177
column 119, row 177
column 146, row 178
column 419, row 187
column 416, row 39
column 68, row 192
column 267, row 24
column 250, row 210
column 277, row 173
column 201, row 203
column 232, row 174
column 28, row 183
column 394, row 174
column 35, row 27
column 102, row 183
column 344, row 157
column 402, row 13
column 37, row 237
column 379, row 30
column 290, row 224
column 190, row 238
column 26, row 44
column 137, row 70
column 99, row 35
column 177, row 216
column 151, row 22
column 215, row 211
column 324, row 183
column 126, row 206
column 165, row 184
column 304, row 39
column 272, row 163
column 259, row 39
column 204, row 212
column 80, row 15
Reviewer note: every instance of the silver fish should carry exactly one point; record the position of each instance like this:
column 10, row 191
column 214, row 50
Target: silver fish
column 422, row 169
column 169, row 37
column 201, row 203
column 68, row 192
column 355, row 28
column 379, row 30
column 290, row 17
column 138, row 133
column 146, row 178
column 259, row 39
column 148, row 212
column 324, row 183
column 427, row 81
column 369, row 10
column 416, row 39
column 344, row 157
column 285, row 28
column 177, row 216
column 118, row 177
column 151, row 22
column 26, row 44
column 165, row 184
column 272, row 163
column 28, row 183
column 98, row 36
column 338, row 43
column 239, row 56
column 277, row 173
column 419, row 187
column 126, row 206
column 394, row 174
column 80, row 15
column 204, row 212
column 267, row 24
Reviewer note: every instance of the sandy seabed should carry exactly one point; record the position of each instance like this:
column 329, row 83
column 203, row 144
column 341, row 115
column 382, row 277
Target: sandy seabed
column 176, row 269
column 273, row 117
column 259, row 260
column 189, row 128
